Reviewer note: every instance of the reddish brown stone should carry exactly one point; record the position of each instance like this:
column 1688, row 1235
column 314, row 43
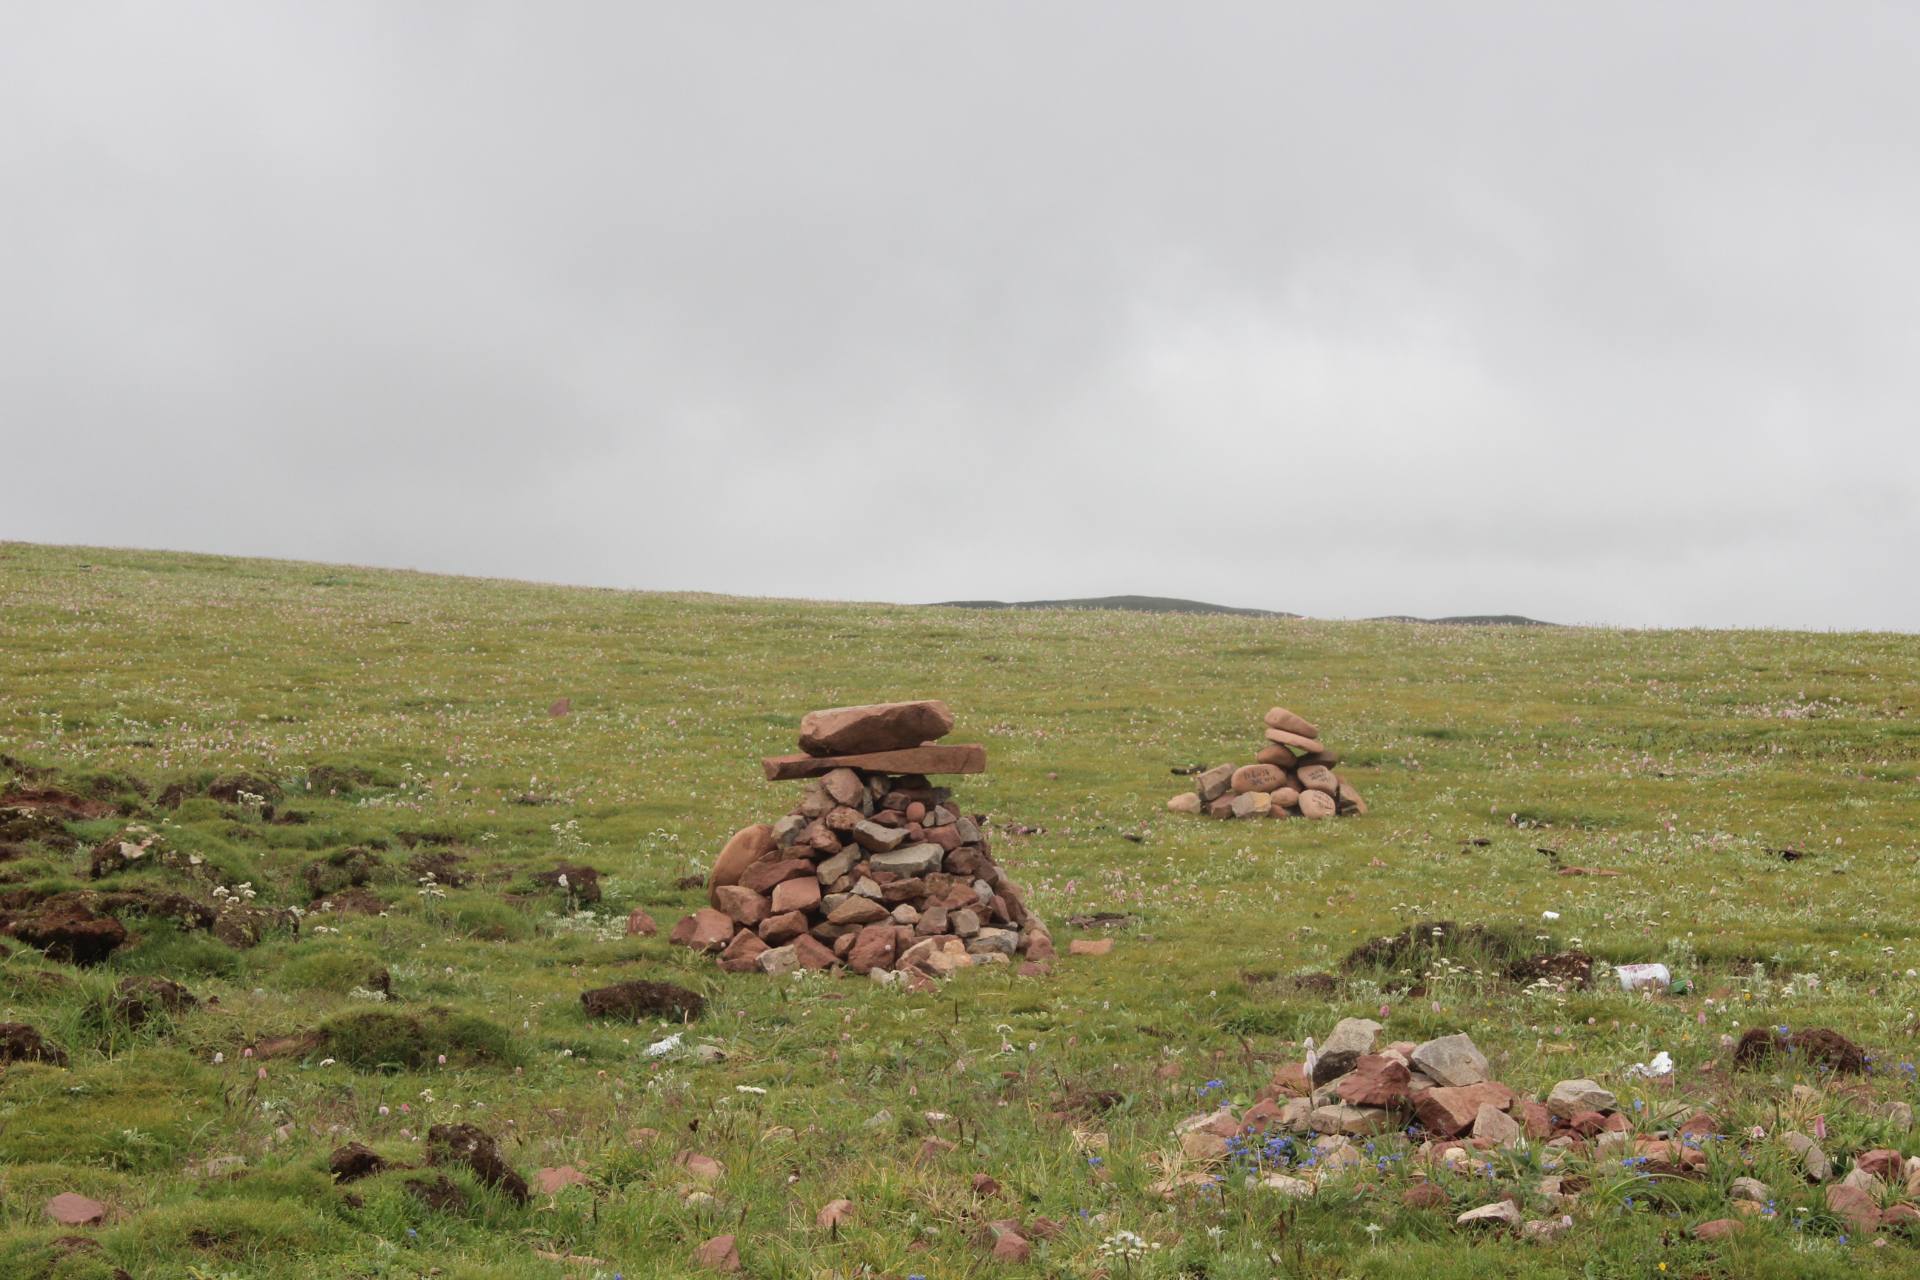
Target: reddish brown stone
column 1375, row 1081
column 1281, row 718
column 800, row 894
column 743, row 953
column 1882, row 1163
column 718, row 1254
column 1258, row 777
column 640, row 924
column 955, row 758
column 783, row 928
column 812, row 954
column 1450, row 1112
column 873, row 948
column 1425, row 1195
column 741, row 903
column 71, row 1210
column 1854, row 1206
column 761, row 877
column 1718, row 1229
column 881, row 726
column 748, row 846
column 704, row 930
column 1299, row 742
column 1317, row 777
column 1090, row 946
column 1535, row 1120
column 1316, row 804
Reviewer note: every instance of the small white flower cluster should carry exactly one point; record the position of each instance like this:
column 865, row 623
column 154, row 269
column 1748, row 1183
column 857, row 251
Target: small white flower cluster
column 238, row 896
column 430, row 887
column 1127, row 1246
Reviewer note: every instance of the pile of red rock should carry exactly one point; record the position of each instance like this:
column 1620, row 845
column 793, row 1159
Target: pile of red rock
column 1291, row 777
column 875, row 870
column 1436, row 1106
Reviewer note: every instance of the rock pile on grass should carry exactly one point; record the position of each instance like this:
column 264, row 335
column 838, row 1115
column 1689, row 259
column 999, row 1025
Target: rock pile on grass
column 875, row 870
column 1435, row 1109
column 1291, row 777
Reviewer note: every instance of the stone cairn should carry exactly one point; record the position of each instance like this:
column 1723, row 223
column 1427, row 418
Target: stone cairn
column 875, row 870
column 1291, row 777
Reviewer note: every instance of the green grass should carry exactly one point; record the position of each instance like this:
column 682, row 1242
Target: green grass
column 1684, row 760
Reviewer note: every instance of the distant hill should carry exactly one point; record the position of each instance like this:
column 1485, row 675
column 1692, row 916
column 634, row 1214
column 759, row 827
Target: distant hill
column 1169, row 604
column 1133, row 604
column 1471, row 620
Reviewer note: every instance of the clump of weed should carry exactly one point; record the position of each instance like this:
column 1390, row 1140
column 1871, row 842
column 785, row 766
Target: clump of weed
column 381, row 1039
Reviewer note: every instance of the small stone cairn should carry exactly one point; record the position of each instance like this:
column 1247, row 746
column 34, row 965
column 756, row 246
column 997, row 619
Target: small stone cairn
column 1291, row 777
column 875, row 870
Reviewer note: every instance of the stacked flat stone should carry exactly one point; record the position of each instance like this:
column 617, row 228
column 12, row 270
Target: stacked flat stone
column 875, row 870
column 1291, row 777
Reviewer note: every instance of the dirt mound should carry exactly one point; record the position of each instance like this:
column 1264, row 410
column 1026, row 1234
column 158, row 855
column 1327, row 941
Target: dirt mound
column 349, row 868
column 631, row 1001
column 22, row 1043
column 136, row 1000
column 582, row 883
column 438, row 1194
column 229, row 789
column 353, row 1162
column 1417, row 946
column 31, row 826
column 52, row 800
column 1821, row 1045
column 448, row 869
column 70, row 930
column 474, row 1148
column 1571, row 969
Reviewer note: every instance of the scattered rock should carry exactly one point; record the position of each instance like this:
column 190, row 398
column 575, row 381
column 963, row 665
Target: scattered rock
column 1349, row 1039
column 718, row 1254
column 1501, row 1213
column 640, row 924
column 1453, row 1061
column 881, row 726
column 552, row 1181
column 834, row 1214
column 72, row 1210
column 1855, row 1207
column 1570, row 1097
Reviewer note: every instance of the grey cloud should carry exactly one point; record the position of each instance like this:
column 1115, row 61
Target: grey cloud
column 1606, row 314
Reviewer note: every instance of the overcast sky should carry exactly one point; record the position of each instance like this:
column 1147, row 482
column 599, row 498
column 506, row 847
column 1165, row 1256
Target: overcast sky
column 1599, row 313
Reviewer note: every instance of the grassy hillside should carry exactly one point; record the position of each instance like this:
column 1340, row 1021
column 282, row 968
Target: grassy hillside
column 408, row 715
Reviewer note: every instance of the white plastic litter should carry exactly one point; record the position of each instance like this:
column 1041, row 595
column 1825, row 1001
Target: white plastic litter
column 660, row 1048
column 1635, row 977
column 1661, row 1065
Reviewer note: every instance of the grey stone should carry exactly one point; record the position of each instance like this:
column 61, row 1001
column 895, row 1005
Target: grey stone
column 1350, row 1038
column 1453, row 1061
column 1816, row 1162
column 1495, row 1125
column 913, row 860
column 998, row 941
column 875, row 838
column 1570, row 1097
column 1751, row 1189
column 1213, row 784
column 779, row 960
column 1355, row 1122
column 1500, row 1213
